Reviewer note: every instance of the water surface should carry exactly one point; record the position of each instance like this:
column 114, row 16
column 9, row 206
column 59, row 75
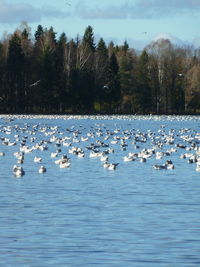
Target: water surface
column 87, row 215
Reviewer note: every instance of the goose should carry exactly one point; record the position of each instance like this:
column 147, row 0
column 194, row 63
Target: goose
column 65, row 164
column 160, row 167
column 198, row 167
column 37, row 159
column 129, row 158
column 80, row 154
column 110, row 166
column 18, row 171
column 54, row 154
column 104, row 158
column 42, row 169
column 62, row 160
column 143, row 159
column 169, row 164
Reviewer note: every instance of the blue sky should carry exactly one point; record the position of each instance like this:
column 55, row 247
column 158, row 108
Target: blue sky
column 137, row 21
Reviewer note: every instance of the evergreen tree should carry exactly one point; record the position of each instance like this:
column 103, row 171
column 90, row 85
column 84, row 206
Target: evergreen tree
column 3, row 79
column 38, row 34
column 15, row 74
column 61, row 93
column 88, row 38
column 127, row 63
column 112, row 90
column 50, row 75
column 154, row 84
column 143, row 91
column 84, row 89
column 101, row 74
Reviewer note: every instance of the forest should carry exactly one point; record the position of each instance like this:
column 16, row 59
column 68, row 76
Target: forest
column 46, row 74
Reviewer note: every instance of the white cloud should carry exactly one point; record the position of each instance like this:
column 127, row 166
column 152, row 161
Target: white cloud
column 14, row 13
column 141, row 9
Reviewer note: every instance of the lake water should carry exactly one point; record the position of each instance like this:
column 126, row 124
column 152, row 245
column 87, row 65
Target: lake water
column 87, row 215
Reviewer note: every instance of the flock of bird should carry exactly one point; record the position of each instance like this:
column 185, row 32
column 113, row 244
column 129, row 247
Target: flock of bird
column 97, row 142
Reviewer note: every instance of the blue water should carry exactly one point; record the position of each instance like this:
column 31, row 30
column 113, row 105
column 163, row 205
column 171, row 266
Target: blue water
column 87, row 215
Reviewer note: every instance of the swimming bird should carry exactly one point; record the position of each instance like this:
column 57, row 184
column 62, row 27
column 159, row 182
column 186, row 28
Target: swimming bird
column 143, row 159
column 169, row 164
column 104, row 158
column 129, row 158
column 18, row 171
column 160, row 167
column 37, row 159
column 42, row 169
column 54, row 154
column 110, row 166
column 65, row 164
column 198, row 167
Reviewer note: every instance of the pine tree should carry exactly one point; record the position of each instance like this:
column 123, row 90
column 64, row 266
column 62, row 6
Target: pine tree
column 38, row 34
column 101, row 73
column 143, row 96
column 127, row 65
column 84, row 72
column 61, row 93
column 88, row 38
column 112, row 90
column 15, row 71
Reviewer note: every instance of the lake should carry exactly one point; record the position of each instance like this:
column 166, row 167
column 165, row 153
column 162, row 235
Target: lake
column 89, row 215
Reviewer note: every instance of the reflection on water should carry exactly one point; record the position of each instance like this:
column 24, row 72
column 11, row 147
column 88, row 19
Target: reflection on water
column 88, row 215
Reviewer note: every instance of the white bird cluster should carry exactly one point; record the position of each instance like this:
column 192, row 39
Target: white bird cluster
column 98, row 143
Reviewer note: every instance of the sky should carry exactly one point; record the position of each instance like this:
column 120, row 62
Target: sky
column 136, row 21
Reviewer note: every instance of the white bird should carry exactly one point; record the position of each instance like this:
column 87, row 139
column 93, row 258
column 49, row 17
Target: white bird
column 104, row 158
column 110, row 166
column 65, row 164
column 198, row 168
column 129, row 158
column 34, row 84
column 37, row 159
column 18, row 171
column 54, row 154
column 42, row 169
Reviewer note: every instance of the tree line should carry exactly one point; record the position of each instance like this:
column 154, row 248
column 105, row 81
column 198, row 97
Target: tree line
column 46, row 74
